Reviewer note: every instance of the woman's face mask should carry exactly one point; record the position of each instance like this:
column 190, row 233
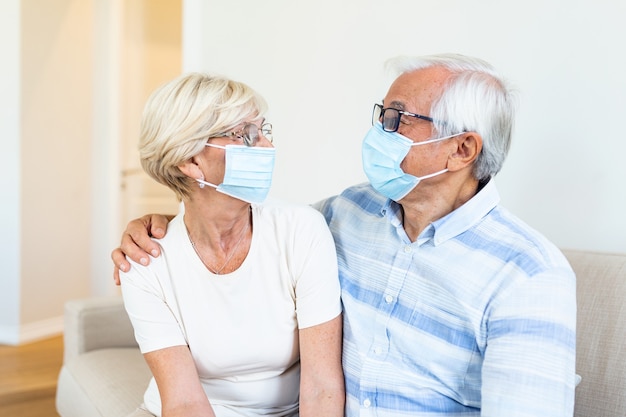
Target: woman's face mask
column 248, row 174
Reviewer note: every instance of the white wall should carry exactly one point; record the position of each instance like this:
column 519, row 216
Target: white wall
column 9, row 169
column 55, row 178
column 61, row 103
column 46, row 80
column 320, row 66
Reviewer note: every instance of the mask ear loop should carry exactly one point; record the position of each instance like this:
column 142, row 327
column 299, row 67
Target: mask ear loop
column 202, row 183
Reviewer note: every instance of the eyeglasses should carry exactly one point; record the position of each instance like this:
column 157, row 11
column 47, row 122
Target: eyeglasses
column 249, row 134
column 390, row 117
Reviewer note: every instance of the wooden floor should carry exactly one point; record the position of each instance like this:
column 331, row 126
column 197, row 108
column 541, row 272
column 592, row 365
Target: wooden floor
column 28, row 377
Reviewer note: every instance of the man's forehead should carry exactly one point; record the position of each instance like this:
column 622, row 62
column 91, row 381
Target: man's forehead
column 416, row 88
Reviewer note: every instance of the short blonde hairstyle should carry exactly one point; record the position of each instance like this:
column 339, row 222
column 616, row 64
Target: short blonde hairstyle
column 182, row 114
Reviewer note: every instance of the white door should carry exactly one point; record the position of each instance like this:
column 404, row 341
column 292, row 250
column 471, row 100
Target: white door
column 151, row 55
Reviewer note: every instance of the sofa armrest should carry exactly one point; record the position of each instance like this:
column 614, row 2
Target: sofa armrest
column 96, row 323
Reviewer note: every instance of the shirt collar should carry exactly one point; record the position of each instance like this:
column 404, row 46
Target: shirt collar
column 454, row 223
column 468, row 215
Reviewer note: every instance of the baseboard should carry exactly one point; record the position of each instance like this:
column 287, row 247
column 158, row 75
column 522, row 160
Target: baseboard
column 30, row 332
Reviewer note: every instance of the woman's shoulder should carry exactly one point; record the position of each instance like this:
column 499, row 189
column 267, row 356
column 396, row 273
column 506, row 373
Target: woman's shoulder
column 281, row 209
column 176, row 231
column 290, row 218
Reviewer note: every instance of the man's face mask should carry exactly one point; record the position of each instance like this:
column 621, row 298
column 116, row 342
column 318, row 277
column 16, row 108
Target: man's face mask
column 382, row 154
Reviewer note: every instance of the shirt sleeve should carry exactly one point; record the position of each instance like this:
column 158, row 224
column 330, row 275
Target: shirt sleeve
column 529, row 363
column 314, row 265
column 144, row 293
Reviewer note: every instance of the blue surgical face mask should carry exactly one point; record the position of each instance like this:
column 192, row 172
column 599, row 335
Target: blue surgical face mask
column 382, row 153
column 248, row 173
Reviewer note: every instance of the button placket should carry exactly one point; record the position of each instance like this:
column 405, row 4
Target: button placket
column 379, row 349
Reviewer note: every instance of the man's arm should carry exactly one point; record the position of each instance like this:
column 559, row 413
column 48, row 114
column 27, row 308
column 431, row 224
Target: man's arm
column 137, row 242
column 530, row 359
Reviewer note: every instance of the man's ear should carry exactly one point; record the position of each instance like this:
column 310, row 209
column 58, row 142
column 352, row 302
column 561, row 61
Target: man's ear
column 468, row 147
column 191, row 169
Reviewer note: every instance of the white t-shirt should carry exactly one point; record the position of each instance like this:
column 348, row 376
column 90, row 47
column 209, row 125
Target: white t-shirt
column 242, row 327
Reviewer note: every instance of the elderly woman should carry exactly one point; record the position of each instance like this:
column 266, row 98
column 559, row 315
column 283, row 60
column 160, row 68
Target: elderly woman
column 241, row 315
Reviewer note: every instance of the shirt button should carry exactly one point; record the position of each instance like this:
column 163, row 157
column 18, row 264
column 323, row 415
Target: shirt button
column 388, row 299
column 407, row 249
column 367, row 403
column 378, row 350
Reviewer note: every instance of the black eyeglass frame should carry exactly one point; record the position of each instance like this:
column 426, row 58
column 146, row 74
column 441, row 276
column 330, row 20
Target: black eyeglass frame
column 245, row 133
column 395, row 127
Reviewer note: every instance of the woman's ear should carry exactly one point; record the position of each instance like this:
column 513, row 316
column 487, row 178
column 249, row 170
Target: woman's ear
column 191, row 169
column 469, row 146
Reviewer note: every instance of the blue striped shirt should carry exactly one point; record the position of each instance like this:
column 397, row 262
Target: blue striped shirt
column 475, row 318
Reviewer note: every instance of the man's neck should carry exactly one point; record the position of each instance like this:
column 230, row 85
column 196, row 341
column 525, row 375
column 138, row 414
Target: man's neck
column 424, row 206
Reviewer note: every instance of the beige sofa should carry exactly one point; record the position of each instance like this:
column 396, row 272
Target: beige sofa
column 104, row 375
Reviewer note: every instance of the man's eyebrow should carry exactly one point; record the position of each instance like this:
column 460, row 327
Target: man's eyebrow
column 397, row 105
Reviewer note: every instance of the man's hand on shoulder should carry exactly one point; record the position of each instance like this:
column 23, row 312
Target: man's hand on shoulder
column 137, row 242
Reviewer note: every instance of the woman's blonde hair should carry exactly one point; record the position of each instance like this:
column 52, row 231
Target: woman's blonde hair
column 182, row 114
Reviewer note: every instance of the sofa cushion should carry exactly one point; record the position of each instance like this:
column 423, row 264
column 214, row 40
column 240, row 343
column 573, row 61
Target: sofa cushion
column 102, row 383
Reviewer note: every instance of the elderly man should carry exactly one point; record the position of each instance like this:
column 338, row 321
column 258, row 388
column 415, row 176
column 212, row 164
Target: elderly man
column 452, row 305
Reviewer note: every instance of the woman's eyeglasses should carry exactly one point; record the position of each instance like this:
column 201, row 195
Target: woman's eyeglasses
column 249, row 134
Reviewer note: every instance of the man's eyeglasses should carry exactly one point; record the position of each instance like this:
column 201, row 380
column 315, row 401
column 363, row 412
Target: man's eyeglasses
column 249, row 134
column 390, row 117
